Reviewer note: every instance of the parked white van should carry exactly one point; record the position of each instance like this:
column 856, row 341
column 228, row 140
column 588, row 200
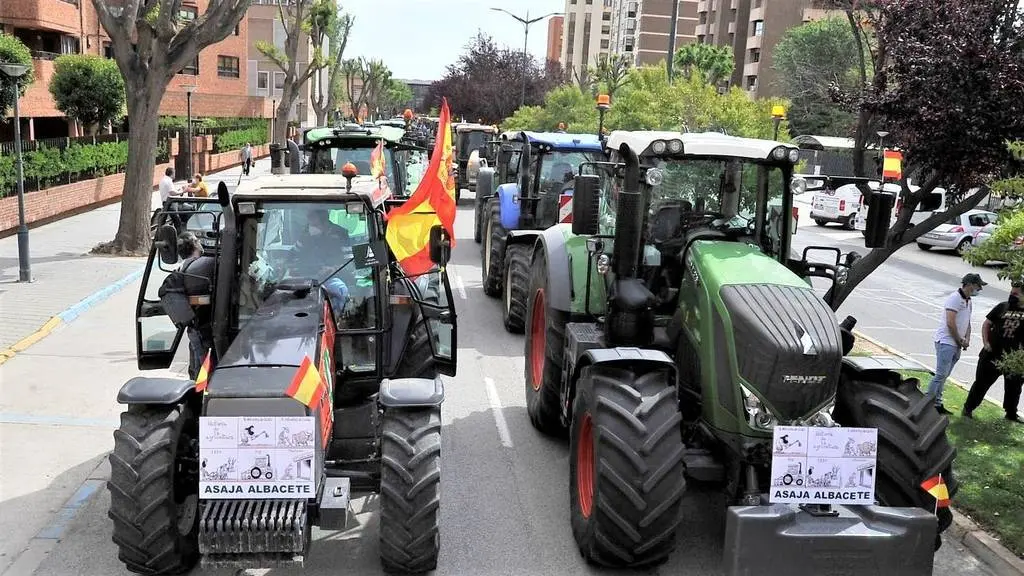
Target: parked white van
column 937, row 203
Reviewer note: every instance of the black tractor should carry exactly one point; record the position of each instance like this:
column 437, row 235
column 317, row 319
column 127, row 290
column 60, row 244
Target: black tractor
column 502, row 156
column 322, row 383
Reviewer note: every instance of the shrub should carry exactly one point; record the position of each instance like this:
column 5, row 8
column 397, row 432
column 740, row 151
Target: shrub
column 14, row 51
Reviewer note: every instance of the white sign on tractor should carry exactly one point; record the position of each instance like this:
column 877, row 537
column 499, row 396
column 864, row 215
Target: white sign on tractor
column 817, row 465
column 245, row 457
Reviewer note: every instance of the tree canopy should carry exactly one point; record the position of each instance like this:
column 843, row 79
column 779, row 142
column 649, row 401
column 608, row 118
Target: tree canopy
column 712, row 64
column 813, row 60
column 88, row 88
column 13, row 51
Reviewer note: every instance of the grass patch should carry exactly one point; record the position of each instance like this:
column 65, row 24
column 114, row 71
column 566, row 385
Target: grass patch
column 989, row 464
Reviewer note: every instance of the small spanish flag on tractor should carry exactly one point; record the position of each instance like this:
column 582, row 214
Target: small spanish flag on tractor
column 892, row 165
column 307, row 386
column 204, row 374
column 377, row 160
column 937, row 488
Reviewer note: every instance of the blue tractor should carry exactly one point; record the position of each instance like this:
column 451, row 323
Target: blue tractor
column 540, row 198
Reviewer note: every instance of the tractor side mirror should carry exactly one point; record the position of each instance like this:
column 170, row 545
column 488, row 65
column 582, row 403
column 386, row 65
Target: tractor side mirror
column 440, row 245
column 504, row 155
column 166, row 240
column 585, row 204
column 222, row 195
column 876, row 233
column 931, row 202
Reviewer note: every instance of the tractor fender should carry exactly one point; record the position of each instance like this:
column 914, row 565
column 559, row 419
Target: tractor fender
column 522, row 237
column 411, row 392
column 636, row 359
column 552, row 242
column 145, row 390
column 880, row 364
column 508, row 206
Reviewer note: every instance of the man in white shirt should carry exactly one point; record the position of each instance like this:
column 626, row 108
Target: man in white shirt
column 246, row 159
column 953, row 334
column 167, row 185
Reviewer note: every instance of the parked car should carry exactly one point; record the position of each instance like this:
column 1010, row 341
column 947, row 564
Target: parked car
column 836, row 205
column 936, row 203
column 983, row 234
column 957, row 233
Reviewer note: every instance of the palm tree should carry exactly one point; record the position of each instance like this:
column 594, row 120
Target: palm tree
column 713, row 63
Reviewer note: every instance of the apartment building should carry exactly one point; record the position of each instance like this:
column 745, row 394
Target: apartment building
column 51, row 28
column 587, row 33
column 753, row 28
column 556, row 28
column 641, row 28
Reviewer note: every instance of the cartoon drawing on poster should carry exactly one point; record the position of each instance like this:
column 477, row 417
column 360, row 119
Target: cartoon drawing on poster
column 837, row 465
column 299, row 463
column 257, row 432
column 217, row 432
column 259, row 468
column 218, row 465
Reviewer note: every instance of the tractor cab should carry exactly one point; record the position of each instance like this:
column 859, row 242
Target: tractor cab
column 470, row 140
column 329, row 149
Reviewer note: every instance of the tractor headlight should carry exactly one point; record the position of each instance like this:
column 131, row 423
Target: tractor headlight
column 794, row 156
column 659, row 147
column 798, row 186
column 604, row 264
column 758, row 415
column 779, row 153
column 675, row 146
column 654, row 177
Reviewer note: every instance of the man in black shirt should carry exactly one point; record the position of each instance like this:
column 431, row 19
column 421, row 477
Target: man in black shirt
column 194, row 281
column 1003, row 331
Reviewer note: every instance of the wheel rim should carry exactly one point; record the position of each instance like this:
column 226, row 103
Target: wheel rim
column 537, row 343
column 585, row 466
column 963, row 247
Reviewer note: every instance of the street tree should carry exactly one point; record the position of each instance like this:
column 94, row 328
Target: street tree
column 612, row 73
column 13, row 51
column 813, row 60
column 375, row 77
column 395, row 97
column 89, row 89
column 951, row 93
column 713, row 64
column 302, row 21
column 350, row 70
column 325, row 98
column 152, row 41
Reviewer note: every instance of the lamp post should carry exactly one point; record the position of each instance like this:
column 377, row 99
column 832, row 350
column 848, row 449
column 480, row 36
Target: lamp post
column 778, row 115
column 526, row 22
column 15, row 71
column 881, row 153
column 273, row 118
column 603, row 104
column 188, row 105
column 672, row 39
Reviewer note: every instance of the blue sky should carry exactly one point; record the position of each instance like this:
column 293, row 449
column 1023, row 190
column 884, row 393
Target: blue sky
column 417, row 39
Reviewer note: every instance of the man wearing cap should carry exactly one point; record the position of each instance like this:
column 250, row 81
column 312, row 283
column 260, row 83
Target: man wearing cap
column 1003, row 330
column 953, row 334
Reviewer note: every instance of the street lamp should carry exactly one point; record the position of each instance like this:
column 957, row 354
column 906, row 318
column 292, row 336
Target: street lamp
column 603, row 104
column 273, row 118
column 778, row 115
column 188, row 100
column 881, row 152
column 15, row 71
column 526, row 22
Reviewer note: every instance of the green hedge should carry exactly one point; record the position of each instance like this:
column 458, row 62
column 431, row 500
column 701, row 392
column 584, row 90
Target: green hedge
column 48, row 167
column 236, row 139
column 168, row 122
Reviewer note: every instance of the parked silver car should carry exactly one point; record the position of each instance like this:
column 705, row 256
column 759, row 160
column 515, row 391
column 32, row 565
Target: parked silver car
column 959, row 232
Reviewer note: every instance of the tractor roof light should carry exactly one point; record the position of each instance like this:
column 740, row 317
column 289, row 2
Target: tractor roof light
column 604, row 264
column 659, row 147
column 604, row 102
column 794, row 156
column 779, row 153
column 675, row 146
column 654, row 177
column 349, row 170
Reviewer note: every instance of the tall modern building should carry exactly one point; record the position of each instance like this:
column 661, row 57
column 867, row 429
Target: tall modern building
column 753, row 28
column 556, row 29
column 641, row 28
column 588, row 27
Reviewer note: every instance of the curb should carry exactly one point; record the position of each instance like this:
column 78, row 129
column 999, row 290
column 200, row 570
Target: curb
column 68, row 315
column 997, row 557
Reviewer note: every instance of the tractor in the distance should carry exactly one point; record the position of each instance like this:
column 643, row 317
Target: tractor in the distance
column 468, row 139
column 540, row 196
column 324, row 385
column 669, row 333
column 327, row 151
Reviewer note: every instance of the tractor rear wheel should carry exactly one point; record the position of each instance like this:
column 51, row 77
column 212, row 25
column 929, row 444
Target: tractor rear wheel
column 494, row 249
column 154, row 489
column 410, row 490
column 625, row 466
column 912, row 441
column 543, row 352
column 516, row 286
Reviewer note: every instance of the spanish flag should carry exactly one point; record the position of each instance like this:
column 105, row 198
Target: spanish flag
column 892, row 165
column 937, row 488
column 204, row 374
column 307, row 386
column 377, row 160
column 432, row 203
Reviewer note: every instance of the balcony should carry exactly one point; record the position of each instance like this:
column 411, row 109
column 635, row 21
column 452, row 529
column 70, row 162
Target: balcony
column 702, row 6
column 702, row 29
column 756, row 14
column 753, row 42
column 48, row 15
column 732, row 27
column 751, row 69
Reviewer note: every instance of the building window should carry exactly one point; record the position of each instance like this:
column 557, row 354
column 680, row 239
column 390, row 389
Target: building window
column 758, row 28
column 263, row 82
column 590, row 2
column 227, row 67
column 108, row 50
column 586, row 39
column 604, row 44
column 755, row 55
column 751, row 82
column 191, row 69
column 187, row 13
column 606, row 29
column 278, row 80
column 607, row 17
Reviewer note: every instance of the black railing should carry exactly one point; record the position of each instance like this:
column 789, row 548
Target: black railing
column 42, row 55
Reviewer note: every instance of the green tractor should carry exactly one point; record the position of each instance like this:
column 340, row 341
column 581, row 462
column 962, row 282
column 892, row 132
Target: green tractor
column 329, row 149
column 468, row 139
column 672, row 336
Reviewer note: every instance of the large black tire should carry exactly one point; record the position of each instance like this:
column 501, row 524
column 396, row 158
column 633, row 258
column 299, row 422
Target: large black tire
column 418, row 357
column 154, row 489
column 493, row 266
column 543, row 352
column 626, row 475
column 410, row 490
column 484, row 188
column 912, row 441
column 516, row 286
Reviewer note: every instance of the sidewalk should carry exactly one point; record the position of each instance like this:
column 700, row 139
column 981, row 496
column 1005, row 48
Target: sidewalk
column 67, row 279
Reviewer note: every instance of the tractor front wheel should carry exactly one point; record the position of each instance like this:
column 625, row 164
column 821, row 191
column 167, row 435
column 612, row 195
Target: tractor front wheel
column 494, row 249
column 544, row 352
column 912, row 441
column 410, row 490
column 516, row 286
column 154, row 489
column 626, row 480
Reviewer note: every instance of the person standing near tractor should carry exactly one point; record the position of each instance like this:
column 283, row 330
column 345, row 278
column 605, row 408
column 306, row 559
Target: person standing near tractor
column 1003, row 331
column 246, row 159
column 953, row 335
column 193, row 281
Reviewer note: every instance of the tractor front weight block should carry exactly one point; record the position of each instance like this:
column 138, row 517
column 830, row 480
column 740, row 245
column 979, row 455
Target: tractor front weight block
column 253, row 533
column 784, row 539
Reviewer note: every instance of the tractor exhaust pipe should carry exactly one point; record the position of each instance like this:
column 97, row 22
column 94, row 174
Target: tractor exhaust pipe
column 629, row 218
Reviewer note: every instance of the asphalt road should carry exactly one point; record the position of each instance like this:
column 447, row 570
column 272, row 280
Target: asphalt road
column 505, row 487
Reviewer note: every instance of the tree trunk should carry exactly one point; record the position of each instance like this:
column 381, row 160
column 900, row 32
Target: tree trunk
column 283, row 116
column 132, row 238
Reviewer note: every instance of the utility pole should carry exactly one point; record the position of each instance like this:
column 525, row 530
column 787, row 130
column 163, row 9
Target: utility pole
column 526, row 22
column 672, row 37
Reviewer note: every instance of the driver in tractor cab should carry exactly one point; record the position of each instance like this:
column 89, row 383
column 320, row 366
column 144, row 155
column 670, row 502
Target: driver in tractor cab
column 319, row 248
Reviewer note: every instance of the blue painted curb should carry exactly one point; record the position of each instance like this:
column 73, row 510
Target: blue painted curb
column 56, row 529
column 99, row 296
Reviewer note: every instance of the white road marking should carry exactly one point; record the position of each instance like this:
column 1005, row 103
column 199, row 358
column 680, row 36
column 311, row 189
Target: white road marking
column 459, row 286
column 499, row 416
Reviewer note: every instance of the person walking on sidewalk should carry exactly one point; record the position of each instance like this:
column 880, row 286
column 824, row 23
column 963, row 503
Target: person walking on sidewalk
column 953, row 335
column 1003, row 331
column 246, row 159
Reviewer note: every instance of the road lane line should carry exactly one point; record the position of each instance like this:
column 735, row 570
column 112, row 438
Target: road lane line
column 499, row 416
column 460, row 286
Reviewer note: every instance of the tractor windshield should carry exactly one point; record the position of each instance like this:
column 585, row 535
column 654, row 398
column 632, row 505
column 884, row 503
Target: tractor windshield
column 331, row 159
column 288, row 243
column 469, row 141
column 558, row 168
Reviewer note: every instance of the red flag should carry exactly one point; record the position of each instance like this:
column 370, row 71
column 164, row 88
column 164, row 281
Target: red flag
column 377, row 160
column 936, row 486
column 204, row 374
